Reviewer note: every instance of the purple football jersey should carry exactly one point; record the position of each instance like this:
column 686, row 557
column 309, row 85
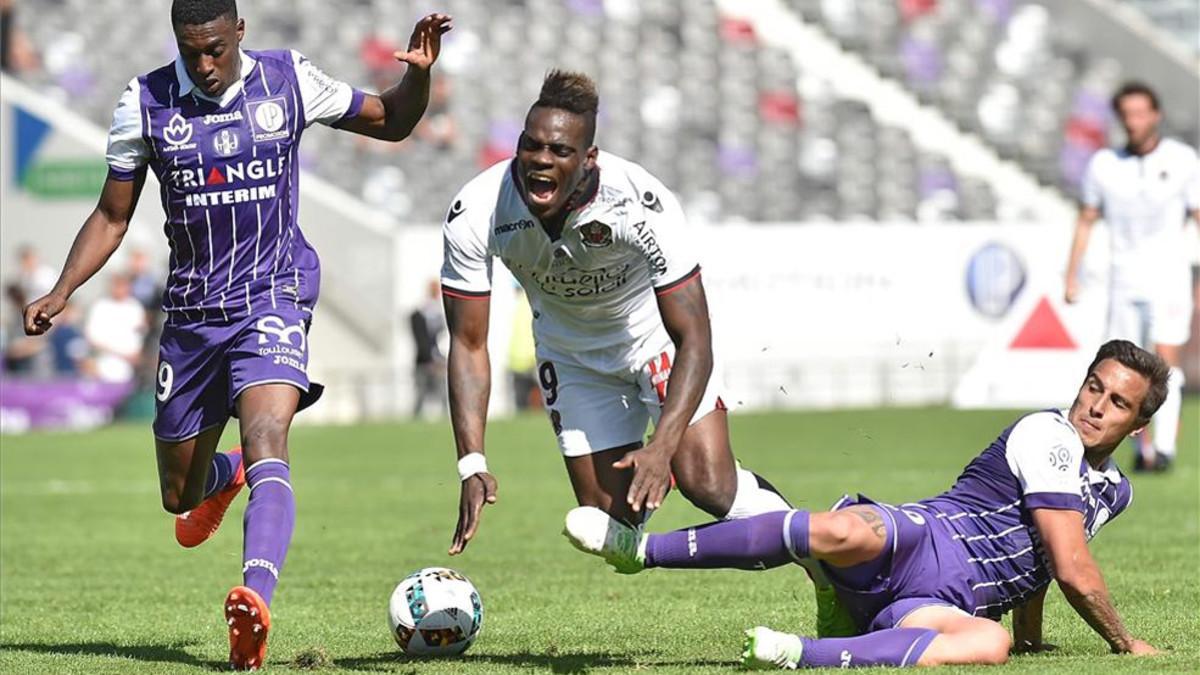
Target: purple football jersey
column 1035, row 463
column 228, row 171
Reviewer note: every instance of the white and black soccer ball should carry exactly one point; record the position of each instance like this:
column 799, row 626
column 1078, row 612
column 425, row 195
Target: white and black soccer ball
column 435, row 612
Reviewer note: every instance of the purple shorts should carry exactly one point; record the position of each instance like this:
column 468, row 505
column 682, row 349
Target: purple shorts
column 203, row 367
column 920, row 566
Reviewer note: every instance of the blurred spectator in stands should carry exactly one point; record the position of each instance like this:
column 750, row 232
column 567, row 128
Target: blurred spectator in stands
column 68, row 345
column 429, row 372
column 116, row 329
column 20, row 352
column 34, row 279
column 522, row 356
column 17, row 54
column 437, row 127
column 143, row 281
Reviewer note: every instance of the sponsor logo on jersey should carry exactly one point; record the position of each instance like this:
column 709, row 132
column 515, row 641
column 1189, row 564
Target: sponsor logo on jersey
column 522, row 224
column 651, row 201
column 650, row 247
column 595, row 234
column 234, row 172
column 177, row 134
column 575, row 283
column 456, row 210
column 268, row 119
column 225, row 142
column 230, row 197
column 221, row 118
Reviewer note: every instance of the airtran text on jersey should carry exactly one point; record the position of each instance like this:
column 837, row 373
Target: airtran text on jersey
column 234, row 172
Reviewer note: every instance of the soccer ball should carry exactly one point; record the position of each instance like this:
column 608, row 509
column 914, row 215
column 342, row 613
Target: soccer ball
column 435, row 612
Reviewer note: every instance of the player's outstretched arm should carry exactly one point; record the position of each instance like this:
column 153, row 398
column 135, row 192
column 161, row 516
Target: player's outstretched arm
column 100, row 235
column 392, row 115
column 1079, row 577
column 684, row 311
column 470, row 383
column 1084, row 225
column 1027, row 626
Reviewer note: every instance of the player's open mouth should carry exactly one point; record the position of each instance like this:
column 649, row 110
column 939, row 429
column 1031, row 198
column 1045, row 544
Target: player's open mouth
column 541, row 189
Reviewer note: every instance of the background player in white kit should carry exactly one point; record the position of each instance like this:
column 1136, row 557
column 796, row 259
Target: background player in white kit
column 601, row 249
column 1145, row 191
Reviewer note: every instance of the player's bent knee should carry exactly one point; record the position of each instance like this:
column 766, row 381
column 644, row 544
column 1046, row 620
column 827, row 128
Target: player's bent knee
column 265, row 436
column 999, row 645
column 831, row 533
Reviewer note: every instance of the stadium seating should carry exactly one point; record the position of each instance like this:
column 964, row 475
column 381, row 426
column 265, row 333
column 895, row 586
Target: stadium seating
column 1002, row 69
column 738, row 129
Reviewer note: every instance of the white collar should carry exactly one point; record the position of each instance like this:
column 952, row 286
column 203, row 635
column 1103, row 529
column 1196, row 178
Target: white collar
column 1108, row 472
column 186, row 86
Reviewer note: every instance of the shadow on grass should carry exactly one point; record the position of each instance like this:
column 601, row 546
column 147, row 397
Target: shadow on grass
column 555, row 662
column 168, row 653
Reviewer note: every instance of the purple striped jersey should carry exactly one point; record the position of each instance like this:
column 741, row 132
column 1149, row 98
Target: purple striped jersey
column 1037, row 462
column 228, row 172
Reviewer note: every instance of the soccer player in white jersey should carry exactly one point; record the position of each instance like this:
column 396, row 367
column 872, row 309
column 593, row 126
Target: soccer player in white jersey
column 619, row 310
column 1145, row 191
column 220, row 127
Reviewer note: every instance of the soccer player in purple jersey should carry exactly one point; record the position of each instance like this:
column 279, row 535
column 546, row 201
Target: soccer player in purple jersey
column 220, row 127
column 926, row 582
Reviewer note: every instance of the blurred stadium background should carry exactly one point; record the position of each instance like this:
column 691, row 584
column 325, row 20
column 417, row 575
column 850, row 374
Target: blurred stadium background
column 883, row 190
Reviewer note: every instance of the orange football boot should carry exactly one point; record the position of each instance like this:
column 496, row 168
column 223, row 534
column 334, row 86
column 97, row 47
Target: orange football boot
column 249, row 621
column 196, row 526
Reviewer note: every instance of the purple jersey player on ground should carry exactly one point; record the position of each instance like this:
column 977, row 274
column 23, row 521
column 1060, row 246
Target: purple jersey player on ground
column 220, row 127
column 926, row 582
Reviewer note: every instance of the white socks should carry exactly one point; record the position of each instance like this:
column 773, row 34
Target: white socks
column 753, row 497
column 1166, row 421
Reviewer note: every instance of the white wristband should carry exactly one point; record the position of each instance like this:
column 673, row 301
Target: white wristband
column 471, row 464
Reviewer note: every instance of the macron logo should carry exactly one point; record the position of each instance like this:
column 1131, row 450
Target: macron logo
column 846, row 658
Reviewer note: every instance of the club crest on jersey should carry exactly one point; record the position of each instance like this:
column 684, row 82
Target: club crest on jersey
column 595, row 234
column 226, row 142
column 268, row 119
column 177, row 133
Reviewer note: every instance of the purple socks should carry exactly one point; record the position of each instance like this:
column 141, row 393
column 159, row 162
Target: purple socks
column 758, row 542
column 270, row 516
column 891, row 647
column 224, row 468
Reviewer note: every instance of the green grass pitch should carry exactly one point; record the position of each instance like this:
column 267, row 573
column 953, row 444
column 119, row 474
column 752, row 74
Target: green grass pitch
column 91, row 580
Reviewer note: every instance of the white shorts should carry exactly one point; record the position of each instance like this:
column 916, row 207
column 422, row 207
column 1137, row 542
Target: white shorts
column 592, row 411
column 1165, row 320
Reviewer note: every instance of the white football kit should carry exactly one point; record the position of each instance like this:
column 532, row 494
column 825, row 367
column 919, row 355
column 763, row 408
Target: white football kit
column 604, row 356
column 1145, row 200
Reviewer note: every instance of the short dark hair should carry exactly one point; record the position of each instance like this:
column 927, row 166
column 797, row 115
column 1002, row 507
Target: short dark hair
column 196, row 12
column 573, row 92
column 1148, row 365
column 1134, row 88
